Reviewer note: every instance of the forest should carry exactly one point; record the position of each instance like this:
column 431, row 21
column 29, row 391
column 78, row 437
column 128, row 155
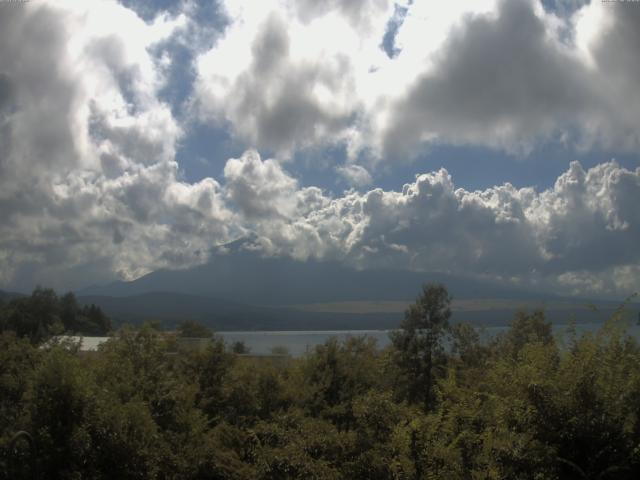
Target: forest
column 440, row 402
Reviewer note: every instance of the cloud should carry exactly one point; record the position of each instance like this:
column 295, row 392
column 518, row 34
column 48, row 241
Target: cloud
column 500, row 80
column 578, row 235
column 355, row 175
column 259, row 188
column 280, row 81
column 509, row 75
column 90, row 189
column 515, row 76
column 509, row 79
column 89, row 186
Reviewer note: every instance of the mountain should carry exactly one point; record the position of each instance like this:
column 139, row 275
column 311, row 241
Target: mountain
column 171, row 308
column 8, row 296
column 240, row 290
column 235, row 273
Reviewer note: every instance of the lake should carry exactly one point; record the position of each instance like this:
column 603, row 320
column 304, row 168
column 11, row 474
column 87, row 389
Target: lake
column 300, row 342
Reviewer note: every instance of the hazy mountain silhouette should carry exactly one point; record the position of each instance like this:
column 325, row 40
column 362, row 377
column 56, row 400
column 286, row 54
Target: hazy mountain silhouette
column 237, row 274
column 8, row 296
column 171, row 308
column 240, row 290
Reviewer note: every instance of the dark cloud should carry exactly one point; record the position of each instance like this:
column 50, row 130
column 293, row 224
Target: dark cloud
column 90, row 189
column 499, row 81
column 42, row 91
column 274, row 103
column 582, row 230
column 358, row 12
column 513, row 78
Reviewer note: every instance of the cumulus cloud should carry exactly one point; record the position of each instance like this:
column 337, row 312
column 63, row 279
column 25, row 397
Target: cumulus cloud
column 89, row 185
column 90, row 189
column 259, row 188
column 355, row 175
column 518, row 75
column 507, row 74
column 284, row 74
column 501, row 79
column 579, row 235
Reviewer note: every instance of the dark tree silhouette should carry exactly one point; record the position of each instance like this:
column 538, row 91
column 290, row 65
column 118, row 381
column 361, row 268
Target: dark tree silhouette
column 418, row 343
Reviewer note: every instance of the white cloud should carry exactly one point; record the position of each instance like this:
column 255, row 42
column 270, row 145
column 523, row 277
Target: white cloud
column 285, row 74
column 259, row 188
column 513, row 78
column 89, row 185
column 579, row 235
column 504, row 74
column 355, row 175
column 90, row 189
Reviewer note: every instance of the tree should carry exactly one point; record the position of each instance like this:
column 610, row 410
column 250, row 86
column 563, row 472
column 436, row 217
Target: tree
column 69, row 312
column 525, row 328
column 337, row 373
column 193, row 329
column 35, row 317
column 44, row 314
column 418, row 348
column 240, row 348
column 94, row 321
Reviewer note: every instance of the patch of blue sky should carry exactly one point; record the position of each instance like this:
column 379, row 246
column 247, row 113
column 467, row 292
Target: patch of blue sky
column 563, row 8
column 479, row 168
column 395, row 22
column 180, row 77
column 204, row 151
column 149, row 9
column 317, row 167
column 208, row 24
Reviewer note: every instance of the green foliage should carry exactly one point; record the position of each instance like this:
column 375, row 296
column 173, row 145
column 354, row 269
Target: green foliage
column 522, row 406
column 86, row 320
column 240, row 348
column 280, row 350
column 193, row 329
column 18, row 361
column 418, row 344
column 44, row 314
column 525, row 328
column 335, row 374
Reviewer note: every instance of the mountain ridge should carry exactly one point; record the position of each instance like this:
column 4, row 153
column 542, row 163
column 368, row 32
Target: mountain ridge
column 236, row 273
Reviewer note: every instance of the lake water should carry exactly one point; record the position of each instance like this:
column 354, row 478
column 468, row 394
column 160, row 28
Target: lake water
column 298, row 343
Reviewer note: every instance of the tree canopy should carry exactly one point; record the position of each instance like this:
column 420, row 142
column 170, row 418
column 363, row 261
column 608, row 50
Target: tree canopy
column 524, row 405
column 418, row 342
column 194, row 329
column 44, row 313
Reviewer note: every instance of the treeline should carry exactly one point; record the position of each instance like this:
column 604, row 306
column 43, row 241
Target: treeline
column 524, row 405
column 44, row 314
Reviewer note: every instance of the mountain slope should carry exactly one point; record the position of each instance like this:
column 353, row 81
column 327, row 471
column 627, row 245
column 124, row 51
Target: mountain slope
column 8, row 296
column 239, row 290
column 240, row 275
column 171, row 308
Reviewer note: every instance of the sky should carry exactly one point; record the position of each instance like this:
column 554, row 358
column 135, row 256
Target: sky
column 487, row 138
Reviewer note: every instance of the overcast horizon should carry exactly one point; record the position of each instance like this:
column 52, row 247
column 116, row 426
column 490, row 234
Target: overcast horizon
column 491, row 139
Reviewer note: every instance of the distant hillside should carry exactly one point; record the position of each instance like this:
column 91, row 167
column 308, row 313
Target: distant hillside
column 242, row 276
column 171, row 308
column 8, row 296
column 240, row 290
